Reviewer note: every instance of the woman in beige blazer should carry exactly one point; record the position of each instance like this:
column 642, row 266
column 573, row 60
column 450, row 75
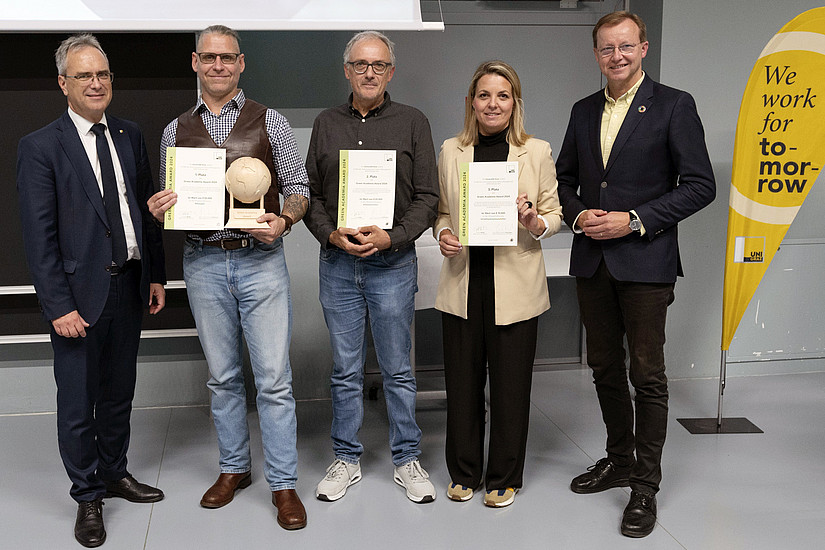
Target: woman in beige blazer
column 491, row 297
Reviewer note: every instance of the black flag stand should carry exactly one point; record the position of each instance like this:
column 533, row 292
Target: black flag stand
column 720, row 425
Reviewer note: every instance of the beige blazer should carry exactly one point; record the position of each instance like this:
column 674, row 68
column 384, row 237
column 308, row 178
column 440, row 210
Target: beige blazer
column 520, row 279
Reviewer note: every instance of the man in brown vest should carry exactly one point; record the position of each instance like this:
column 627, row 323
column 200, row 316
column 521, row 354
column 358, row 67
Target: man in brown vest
column 237, row 280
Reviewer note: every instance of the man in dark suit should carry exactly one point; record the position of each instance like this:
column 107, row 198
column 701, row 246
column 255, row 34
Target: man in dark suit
column 633, row 164
column 96, row 258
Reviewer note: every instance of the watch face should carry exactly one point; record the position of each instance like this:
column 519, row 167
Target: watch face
column 635, row 224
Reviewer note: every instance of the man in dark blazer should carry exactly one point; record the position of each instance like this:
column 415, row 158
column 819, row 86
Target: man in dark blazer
column 96, row 258
column 633, row 164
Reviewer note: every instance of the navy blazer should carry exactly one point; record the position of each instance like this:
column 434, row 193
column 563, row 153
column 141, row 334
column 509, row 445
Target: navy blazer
column 65, row 227
column 659, row 167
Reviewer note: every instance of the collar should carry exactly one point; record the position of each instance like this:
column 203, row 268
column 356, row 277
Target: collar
column 85, row 126
column 498, row 137
column 236, row 102
column 374, row 112
column 626, row 97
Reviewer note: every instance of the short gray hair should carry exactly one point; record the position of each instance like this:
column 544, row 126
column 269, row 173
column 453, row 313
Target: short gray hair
column 218, row 29
column 75, row 42
column 369, row 35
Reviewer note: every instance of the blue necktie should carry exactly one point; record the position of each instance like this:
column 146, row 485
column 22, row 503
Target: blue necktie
column 110, row 196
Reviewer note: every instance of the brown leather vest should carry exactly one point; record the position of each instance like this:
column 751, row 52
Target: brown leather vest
column 248, row 138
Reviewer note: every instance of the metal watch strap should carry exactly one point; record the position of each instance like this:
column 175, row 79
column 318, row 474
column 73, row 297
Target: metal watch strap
column 635, row 223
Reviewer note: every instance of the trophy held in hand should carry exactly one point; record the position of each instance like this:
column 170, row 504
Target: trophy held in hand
column 247, row 180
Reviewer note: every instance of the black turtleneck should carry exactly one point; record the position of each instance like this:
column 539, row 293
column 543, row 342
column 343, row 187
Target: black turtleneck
column 491, row 148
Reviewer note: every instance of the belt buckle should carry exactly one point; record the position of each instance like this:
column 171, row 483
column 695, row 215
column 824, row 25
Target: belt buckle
column 244, row 242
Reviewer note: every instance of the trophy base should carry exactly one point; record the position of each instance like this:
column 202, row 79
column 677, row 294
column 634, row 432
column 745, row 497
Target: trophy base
column 245, row 219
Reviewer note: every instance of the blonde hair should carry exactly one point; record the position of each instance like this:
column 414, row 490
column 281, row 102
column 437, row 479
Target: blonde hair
column 516, row 134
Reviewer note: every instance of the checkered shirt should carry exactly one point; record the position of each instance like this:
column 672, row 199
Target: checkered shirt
column 290, row 172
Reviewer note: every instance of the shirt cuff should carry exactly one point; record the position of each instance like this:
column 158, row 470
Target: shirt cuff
column 546, row 228
column 438, row 237
column 575, row 227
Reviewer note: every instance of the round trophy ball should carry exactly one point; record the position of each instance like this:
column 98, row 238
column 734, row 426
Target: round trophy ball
column 248, row 179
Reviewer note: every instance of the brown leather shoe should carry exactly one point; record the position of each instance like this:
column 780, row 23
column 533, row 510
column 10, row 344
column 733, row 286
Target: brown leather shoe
column 291, row 513
column 223, row 491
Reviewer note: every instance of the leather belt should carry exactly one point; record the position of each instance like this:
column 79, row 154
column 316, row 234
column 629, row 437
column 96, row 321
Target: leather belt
column 230, row 244
column 117, row 270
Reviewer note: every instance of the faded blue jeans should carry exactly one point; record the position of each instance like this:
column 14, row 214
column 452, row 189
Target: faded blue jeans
column 237, row 293
column 380, row 288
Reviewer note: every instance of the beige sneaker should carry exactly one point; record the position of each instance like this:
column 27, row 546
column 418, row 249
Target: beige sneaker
column 339, row 476
column 499, row 498
column 459, row 493
column 416, row 481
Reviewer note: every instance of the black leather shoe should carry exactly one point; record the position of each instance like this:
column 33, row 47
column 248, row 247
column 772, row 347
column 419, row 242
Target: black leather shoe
column 88, row 527
column 132, row 490
column 639, row 517
column 603, row 475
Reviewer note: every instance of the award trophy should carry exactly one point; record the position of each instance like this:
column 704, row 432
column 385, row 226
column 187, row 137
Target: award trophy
column 247, row 179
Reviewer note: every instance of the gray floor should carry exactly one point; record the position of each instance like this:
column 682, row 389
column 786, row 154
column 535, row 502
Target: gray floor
column 764, row 491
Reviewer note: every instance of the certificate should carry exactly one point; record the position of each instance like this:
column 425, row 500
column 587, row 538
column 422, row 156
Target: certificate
column 198, row 176
column 487, row 203
column 366, row 188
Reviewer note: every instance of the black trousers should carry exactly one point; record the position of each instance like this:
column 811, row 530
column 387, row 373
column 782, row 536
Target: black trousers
column 471, row 346
column 611, row 309
column 95, row 379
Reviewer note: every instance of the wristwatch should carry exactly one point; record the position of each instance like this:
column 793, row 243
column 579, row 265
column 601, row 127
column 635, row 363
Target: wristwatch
column 635, row 223
column 288, row 221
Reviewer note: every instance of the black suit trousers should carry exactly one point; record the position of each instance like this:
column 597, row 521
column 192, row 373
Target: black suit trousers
column 473, row 346
column 610, row 310
column 95, row 379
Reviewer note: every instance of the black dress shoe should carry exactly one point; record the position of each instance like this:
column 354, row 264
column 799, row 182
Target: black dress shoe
column 132, row 490
column 639, row 517
column 603, row 475
column 88, row 527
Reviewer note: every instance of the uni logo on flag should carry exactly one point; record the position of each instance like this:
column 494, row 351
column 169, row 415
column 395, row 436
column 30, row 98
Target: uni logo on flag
column 749, row 249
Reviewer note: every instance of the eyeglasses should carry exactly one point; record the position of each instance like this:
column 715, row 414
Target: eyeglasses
column 624, row 48
column 103, row 77
column 360, row 67
column 226, row 58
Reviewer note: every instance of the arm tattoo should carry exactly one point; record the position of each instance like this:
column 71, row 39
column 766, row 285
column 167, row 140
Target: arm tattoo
column 295, row 206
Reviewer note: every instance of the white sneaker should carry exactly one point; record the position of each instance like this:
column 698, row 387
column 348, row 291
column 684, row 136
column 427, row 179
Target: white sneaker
column 412, row 477
column 340, row 475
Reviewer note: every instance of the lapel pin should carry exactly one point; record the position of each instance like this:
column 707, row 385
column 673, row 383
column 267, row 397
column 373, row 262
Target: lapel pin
column 121, row 131
column 642, row 109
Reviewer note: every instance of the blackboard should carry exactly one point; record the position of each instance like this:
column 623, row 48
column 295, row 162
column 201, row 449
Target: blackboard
column 153, row 84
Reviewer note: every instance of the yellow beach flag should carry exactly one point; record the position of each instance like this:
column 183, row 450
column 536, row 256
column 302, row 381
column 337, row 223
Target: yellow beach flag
column 778, row 154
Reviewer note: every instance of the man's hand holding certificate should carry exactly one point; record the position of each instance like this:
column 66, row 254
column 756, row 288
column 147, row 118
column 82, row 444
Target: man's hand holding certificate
column 488, row 214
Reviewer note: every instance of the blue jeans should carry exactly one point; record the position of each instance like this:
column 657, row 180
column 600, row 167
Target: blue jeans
column 246, row 292
column 382, row 288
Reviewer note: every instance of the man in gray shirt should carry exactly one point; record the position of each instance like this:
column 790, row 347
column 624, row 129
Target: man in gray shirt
column 369, row 272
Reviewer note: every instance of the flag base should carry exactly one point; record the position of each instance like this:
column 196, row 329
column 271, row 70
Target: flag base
column 711, row 426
